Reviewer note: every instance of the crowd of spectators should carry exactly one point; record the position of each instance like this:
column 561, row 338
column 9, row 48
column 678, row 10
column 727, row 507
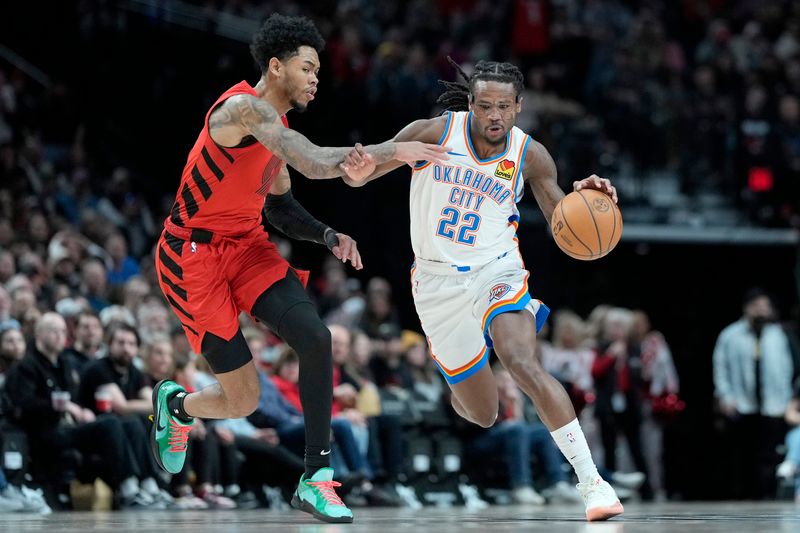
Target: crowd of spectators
column 705, row 92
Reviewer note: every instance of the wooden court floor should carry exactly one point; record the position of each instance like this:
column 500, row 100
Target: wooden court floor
column 733, row 517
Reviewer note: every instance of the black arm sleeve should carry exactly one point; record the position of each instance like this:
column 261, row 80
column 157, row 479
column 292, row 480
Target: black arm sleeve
column 286, row 214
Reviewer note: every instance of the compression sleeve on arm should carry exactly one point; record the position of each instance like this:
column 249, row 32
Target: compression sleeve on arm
column 286, row 214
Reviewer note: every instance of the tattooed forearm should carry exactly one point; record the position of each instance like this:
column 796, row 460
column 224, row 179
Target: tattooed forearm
column 261, row 121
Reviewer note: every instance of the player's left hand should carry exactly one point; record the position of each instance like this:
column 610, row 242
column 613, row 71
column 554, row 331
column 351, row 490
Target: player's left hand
column 596, row 182
column 346, row 250
column 358, row 164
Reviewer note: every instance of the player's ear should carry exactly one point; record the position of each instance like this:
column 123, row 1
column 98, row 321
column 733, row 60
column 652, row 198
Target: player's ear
column 519, row 103
column 275, row 66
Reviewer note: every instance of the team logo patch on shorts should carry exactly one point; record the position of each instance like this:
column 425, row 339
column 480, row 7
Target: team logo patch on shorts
column 505, row 169
column 498, row 291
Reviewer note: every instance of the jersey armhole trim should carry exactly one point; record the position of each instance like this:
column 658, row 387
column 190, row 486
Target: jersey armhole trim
column 442, row 140
column 522, row 153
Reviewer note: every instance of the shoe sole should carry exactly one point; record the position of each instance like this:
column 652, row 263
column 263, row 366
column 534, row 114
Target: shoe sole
column 597, row 514
column 310, row 509
column 153, row 442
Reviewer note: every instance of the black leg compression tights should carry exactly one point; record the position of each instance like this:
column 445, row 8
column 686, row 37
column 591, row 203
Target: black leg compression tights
column 286, row 309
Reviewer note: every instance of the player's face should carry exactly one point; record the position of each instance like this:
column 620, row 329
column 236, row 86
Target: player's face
column 300, row 77
column 495, row 107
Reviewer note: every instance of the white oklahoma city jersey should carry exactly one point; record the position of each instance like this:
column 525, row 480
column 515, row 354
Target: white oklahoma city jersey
column 463, row 211
column 468, row 268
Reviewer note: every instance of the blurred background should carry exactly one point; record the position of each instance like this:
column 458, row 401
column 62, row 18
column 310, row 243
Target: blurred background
column 690, row 107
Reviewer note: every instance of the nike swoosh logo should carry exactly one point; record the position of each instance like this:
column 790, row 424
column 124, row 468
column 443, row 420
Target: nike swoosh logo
column 160, row 426
column 325, row 452
column 456, row 153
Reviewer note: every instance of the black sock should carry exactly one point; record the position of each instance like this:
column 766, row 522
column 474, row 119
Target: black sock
column 175, row 405
column 317, row 457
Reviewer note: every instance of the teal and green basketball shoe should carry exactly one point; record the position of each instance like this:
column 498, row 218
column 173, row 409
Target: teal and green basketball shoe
column 169, row 435
column 317, row 496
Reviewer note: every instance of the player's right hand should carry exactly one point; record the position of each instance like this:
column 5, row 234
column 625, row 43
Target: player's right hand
column 358, row 164
column 413, row 151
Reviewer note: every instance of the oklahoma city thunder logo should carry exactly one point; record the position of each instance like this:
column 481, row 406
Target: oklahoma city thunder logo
column 498, row 291
column 505, row 169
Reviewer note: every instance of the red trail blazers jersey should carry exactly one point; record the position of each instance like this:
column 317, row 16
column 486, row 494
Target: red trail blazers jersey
column 222, row 189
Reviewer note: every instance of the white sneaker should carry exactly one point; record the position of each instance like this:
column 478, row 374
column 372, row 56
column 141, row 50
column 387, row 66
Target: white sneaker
column 629, row 480
column 600, row 499
column 9, row 505
column 472, row 499
column 407, row 496
column 190, row 502
column 527, row 496
column 31, row 500
column 786, row 470
column 562, row 492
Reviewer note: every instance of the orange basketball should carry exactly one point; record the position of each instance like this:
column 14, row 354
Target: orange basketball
column 586, row 224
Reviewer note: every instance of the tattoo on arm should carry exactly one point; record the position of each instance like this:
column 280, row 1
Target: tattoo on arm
column 261, row 121
column 542, row 176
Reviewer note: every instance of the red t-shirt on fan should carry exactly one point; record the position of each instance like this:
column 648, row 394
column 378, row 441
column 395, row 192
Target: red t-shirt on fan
column 530, row 33
column 217, row 195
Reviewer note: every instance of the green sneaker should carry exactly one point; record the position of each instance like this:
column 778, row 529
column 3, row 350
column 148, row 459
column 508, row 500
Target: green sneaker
column 169, row 434
column 317, row 496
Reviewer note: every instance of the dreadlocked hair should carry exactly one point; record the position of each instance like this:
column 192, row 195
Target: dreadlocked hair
column 457, row 94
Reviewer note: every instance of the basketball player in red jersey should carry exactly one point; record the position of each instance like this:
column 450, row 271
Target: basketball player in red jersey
column 470, row 286
column 214, row 258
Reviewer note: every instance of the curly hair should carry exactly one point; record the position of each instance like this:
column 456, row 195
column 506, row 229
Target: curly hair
column 456, row 97
column 281, row 36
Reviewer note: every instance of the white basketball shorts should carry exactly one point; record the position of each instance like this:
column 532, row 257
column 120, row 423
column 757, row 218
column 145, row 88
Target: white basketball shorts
column 457, row 307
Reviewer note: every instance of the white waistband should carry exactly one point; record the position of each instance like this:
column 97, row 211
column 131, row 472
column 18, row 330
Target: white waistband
column 447, row 269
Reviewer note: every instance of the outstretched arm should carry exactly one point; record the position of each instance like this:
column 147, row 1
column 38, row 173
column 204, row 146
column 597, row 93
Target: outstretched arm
column 541, row 174
column 245, row 114
column 426, row 131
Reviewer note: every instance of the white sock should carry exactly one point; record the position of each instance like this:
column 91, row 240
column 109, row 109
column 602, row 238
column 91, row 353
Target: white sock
column 572, row 443
column 129, row 488
column 150, row 486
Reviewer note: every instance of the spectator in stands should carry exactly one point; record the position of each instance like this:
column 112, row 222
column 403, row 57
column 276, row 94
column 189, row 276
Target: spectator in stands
column 790, row 468
column 88, row 343
column 15, row 499
column 12, row 350
column 380, row 321
column 752, row 383
column 6, row 320
column 116, row 378
column 567, row 358
column 266, row 461
column 291, row 431
column 384, row 450
column 94, row 282
column 40, row 390
column 153, row 319
column 7, row 265
column 617, row 374
column 661, row 385
column 158, row 359
column 123, row 266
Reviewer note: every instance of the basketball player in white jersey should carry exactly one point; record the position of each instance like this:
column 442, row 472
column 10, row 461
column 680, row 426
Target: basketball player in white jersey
column 469, row 283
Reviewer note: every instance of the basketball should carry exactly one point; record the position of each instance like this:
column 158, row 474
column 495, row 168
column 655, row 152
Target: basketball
column 586, row 224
